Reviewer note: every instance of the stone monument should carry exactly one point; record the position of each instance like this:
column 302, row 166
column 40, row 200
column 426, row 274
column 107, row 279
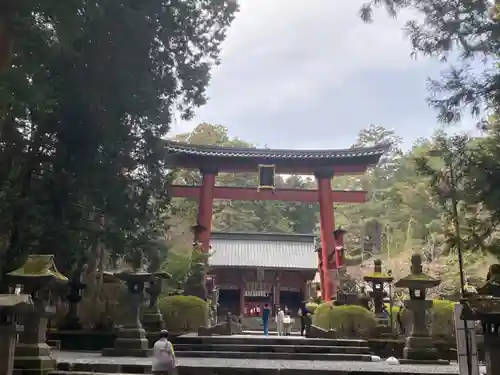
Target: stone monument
column 152, row 319
column 485, row 307
column 419, row 345
column 71, row 320
column 10, row 306
column 377, row 279
column 131, row 340
column 37, row 276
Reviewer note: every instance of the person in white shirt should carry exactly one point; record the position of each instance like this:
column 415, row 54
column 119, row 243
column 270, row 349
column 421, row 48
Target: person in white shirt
column 163, row 356
column 280, row 316
column 287, row 322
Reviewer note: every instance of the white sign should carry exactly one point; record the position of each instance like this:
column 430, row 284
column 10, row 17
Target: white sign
column 460, row 328
column 256, row 293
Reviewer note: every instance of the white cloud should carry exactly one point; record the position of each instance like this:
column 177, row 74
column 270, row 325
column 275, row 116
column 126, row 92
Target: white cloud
column 288, row 53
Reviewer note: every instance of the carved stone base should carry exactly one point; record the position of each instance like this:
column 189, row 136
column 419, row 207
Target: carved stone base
column 320, row 333
column 7, row 349
column 33, row 359
column 130, row 342
column 420, row 348
column 152, row 321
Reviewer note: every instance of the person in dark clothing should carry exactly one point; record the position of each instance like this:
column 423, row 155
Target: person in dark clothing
column 266, row 312
column 303, row 315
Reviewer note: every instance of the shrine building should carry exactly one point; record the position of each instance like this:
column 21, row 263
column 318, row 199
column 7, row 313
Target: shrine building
column 323, row 164
column 252, row 269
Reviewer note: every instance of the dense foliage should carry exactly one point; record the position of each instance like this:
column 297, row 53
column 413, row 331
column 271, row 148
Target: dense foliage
column 89, row 93
column 183, row 313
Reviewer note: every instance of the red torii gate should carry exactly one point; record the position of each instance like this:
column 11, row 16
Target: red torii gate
column 323, row 164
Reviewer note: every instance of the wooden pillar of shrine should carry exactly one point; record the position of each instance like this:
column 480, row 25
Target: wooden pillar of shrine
column 327, row 225
column 242, row 297
column 205, row 207
column 276, row 292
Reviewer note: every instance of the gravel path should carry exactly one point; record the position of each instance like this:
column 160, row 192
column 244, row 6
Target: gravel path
column 85, row 357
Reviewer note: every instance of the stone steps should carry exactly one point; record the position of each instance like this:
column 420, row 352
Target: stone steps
column 275, row 355
column 249, row 348
column 270, row 340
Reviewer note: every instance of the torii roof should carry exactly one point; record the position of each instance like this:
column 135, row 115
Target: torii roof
column 186, row 155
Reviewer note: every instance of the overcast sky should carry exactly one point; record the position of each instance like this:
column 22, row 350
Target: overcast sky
column 311, row 74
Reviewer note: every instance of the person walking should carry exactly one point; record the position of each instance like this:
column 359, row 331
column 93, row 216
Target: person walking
column 266, row 312
column 163, row 356
column 280, row 317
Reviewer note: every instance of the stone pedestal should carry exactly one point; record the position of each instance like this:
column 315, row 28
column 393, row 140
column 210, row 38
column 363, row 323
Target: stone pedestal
column 131, row 339
column 152, row 320
column 492, row 354
column 9, row 307
column 7, row 348
column 32, row 354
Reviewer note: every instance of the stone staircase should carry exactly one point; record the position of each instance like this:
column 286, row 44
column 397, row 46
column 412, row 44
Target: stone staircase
column 272, row 347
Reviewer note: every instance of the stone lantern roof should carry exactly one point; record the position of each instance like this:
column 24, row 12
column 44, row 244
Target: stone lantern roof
column 377, row 275
column 37, row 268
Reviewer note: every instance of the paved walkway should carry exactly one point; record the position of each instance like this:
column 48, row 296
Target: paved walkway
column 85, row 357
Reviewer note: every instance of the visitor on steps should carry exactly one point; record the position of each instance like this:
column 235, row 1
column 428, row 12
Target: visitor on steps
column 302, row 313
column 163, row 356
column 280, row 316
column 287, row 323
column 266, row 312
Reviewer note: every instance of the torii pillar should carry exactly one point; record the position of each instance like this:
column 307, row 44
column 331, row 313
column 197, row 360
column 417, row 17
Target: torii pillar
column 205, row 207
column 327, row 226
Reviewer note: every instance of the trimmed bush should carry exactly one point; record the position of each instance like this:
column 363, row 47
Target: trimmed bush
column 347, row 320
column 183, row 313
column 311, row 306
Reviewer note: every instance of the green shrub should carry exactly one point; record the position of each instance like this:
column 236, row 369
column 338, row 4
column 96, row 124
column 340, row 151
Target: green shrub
column 311, row 306
column 347, row 320
column 183, row 313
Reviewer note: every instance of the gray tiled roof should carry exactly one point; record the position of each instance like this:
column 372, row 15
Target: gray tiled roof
column 269, row 250
column 218, row 151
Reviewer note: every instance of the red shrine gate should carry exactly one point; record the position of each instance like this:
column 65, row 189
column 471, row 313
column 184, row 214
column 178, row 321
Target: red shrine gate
column 323, row 164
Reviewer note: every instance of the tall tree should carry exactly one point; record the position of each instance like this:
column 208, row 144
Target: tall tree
column 469, row 30
column 89, row 97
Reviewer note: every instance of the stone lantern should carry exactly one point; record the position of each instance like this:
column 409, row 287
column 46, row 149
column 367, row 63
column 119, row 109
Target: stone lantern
column 131, row 339
column 377, row 279
column 419, row 345
column 37, row 276
column 10, row 306
column 75, row 294
column 485, row 307
column 152, row 319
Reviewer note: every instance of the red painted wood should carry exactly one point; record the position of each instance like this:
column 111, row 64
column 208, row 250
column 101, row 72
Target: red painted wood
column 288, row 168
column 252, row 194
column 327, row 226
column 205, row 208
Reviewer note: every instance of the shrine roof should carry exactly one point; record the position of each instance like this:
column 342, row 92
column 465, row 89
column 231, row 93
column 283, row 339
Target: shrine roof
column 267, row 250
column 190, row 155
